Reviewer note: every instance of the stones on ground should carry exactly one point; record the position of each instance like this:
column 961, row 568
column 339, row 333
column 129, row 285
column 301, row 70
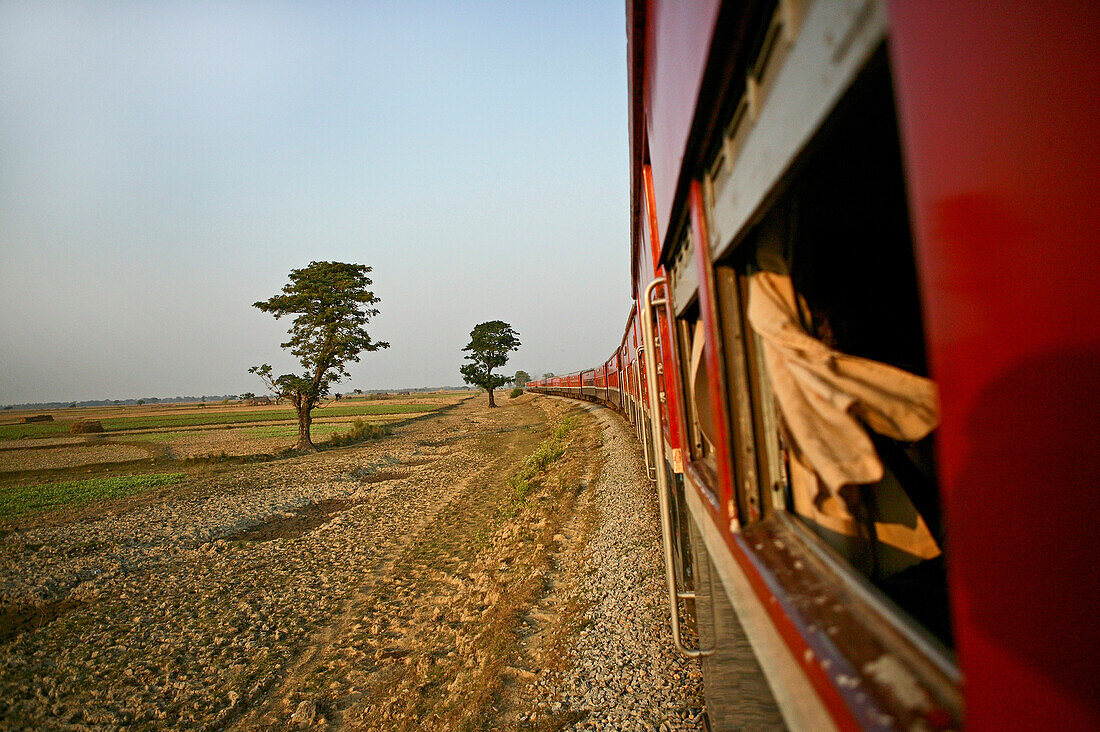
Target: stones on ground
column 304, row 715
column 624, row 673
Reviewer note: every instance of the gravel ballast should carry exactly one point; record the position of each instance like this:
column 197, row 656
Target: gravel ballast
column 624, row 672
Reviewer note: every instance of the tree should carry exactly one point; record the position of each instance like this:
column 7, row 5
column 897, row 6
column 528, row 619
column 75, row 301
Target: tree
column 332, row 306
column 521, row 378
column 489, row 346
column 548, row 375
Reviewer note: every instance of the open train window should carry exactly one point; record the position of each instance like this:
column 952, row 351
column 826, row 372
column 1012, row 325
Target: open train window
column 692, row 356
column 832, row 260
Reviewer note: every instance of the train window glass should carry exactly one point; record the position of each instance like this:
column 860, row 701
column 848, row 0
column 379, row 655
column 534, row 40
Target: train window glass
column 838, row 240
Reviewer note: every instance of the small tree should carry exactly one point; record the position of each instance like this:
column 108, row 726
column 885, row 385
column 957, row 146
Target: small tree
column 489, row 346
column 332, row 306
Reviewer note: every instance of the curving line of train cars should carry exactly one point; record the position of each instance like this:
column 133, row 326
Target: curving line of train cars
column 833, row 203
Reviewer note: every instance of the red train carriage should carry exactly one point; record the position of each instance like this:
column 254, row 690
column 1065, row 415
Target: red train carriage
column 862, row 358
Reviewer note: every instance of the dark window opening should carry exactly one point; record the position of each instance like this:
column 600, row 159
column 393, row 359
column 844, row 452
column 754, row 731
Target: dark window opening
column 840, row 231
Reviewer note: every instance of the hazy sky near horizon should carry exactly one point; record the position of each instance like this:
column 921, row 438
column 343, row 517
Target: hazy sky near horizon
column 163, row 165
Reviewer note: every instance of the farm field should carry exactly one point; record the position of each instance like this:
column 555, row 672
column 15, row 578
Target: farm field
column 474, row 569
column 190, row 431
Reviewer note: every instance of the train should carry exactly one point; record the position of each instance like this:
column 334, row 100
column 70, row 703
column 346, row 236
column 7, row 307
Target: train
column 862, row 356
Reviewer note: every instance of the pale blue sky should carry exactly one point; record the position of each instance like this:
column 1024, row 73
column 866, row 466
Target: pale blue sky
column 165, row 164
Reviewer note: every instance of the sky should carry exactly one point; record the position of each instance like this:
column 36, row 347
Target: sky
column 163, row 165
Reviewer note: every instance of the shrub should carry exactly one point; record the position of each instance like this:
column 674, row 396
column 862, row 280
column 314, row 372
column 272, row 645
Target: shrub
column 360, row 430
column 547, row 452
column 564, row 427
column 518, row 391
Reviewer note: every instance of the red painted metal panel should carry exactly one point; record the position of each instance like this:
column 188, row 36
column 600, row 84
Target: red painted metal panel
column 1000, row 126
column 669, row 359
column 677, row 44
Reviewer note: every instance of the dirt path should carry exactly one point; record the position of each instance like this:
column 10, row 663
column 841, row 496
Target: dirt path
column 401, row 584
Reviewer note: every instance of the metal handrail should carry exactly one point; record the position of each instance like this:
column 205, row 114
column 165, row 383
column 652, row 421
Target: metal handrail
column 648, row 304
column 650, row 469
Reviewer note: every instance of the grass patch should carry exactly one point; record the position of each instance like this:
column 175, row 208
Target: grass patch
column 164, row 436
column 291, row 430
column 549, row 450
column 564, row 427
column 360, row 430
column 23, row 499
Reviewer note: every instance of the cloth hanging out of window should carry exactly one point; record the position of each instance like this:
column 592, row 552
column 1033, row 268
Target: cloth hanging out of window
column 829, row 398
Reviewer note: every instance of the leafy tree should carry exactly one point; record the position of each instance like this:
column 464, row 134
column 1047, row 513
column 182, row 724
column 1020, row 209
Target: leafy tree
column 140, row 402
column 489, row 346
column 332, row 306
column 548, row 375
column 248, row 395
column 521, row 378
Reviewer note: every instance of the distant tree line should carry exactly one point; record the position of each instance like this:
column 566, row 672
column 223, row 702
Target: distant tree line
column 122, row 402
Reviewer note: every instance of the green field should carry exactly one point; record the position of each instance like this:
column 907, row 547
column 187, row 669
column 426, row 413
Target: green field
column 21, row 499
column 197, row 418
column 291, row 430
column 116, row 424
column 29, row 431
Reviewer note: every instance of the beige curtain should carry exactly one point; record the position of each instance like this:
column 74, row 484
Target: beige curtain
column 828, row 398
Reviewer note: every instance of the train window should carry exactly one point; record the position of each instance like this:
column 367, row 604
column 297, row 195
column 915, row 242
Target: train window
column 691, row 341
column 829, row 269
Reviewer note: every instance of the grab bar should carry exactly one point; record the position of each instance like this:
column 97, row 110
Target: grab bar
column 650, row 470
column 649, row 304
